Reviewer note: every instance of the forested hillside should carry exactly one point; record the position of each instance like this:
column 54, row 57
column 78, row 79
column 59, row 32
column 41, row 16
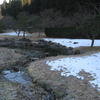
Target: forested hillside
column 53, row 13
column 67, row 7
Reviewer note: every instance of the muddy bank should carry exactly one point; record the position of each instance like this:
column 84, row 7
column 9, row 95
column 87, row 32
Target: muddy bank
column 14, row 91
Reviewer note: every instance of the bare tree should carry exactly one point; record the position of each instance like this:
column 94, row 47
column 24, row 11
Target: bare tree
column 52, row 18
column 8, row 21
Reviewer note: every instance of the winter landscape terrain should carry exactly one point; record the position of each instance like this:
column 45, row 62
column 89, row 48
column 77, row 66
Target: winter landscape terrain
column 73, row 65
column 79, row 73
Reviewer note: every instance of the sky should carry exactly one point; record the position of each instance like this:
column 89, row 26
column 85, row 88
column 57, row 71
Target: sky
column 1, row 1
column 74, row 65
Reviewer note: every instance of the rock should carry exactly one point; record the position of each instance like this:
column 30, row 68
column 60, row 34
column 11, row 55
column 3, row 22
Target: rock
column 25, row 39
column 34, row 44
column 77, row 52
column 6, row 39
column 47, row 54
column 33, row 59
column 64, row 51
column 75, row 43
column 54, row 47
column 15, row 68
column 41, row 44
column 70, row 50
column 41, row 40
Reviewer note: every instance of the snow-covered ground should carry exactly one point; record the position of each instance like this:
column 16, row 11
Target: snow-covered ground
column 12, row 33
column 79, row 42
column 74, row 65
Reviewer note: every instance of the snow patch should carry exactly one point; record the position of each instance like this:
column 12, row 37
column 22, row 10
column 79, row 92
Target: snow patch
column 70, row 42
column 12, row 33
column 73, row 65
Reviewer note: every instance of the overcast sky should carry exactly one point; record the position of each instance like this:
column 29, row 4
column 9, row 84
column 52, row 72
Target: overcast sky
column 1, row 1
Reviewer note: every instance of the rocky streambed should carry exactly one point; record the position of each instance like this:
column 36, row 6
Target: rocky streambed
column 45, row 46
column 15, row 82
column 31, row 51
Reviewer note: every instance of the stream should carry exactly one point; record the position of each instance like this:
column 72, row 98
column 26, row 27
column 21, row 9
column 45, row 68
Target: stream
column 19, row 77
column 33, row 50
column 18, row 73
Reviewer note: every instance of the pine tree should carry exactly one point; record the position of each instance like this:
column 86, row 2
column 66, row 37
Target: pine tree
column 90, row 28
column 24, row 23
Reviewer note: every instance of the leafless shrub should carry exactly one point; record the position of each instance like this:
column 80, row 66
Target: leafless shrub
column 52, row 18
column 79, row 18
column 8, row 21
column 83, row 12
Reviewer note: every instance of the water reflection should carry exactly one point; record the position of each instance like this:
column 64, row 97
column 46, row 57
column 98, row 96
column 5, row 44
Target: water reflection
column 18, row 77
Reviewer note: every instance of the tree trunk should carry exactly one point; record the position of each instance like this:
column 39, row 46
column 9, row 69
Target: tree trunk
column 39, row 35
column 92, row 42
column 24, row 34
column 18, row 33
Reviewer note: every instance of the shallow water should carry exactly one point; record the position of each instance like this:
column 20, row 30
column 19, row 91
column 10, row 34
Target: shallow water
column 19, row 77
column 31, row 54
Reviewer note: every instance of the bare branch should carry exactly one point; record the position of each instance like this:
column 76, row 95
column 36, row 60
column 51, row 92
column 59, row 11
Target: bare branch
column 94, row 6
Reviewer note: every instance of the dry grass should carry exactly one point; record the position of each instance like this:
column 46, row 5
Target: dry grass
column 61, row 86
column 88, row 50
column 8, row 56
column 7, row 91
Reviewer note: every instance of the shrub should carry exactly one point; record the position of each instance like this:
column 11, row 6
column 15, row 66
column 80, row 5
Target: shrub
column 63, row 32
column 2, row 27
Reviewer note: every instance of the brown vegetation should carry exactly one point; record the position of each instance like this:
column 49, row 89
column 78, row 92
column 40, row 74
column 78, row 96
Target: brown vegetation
column 8, row 56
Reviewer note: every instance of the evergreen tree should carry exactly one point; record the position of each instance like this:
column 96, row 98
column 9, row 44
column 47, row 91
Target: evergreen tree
column 67, row 7
column 12, row 8
column 91, row 28
column 15, row 8
column 2, row 27
column 35, row 6
column 4, row 8
column 22, row 23
column 25, row 23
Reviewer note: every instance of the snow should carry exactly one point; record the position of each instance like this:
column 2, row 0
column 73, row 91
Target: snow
column 1, row 1
column 70, row 42
column 73, row 65
column 12, row 33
